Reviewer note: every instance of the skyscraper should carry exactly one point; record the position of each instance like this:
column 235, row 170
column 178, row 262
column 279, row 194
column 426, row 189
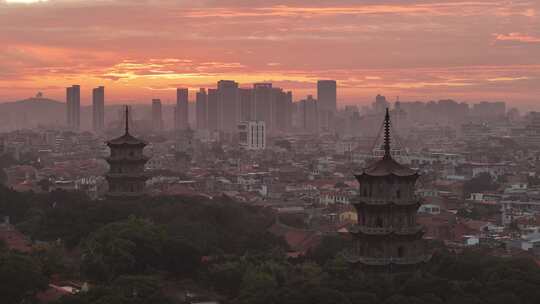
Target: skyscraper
column 327, row 95
column 69, row 106
column 263, row 104
column 310, row 117
column 380, row 105
column 228, row 108
column 181, row 121
column 73, row 103
column 98, row 109
column 201, row 109
column 283, row 111
column 327, row 104
column 213, row 110
column 157, row 115
column 246, row 104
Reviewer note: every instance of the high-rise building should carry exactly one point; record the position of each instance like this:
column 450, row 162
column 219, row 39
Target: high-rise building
column 252, row 135
column 157, row 115
column 181, row 117
column 387, row 237
column 309, row 115
column 69, row 106
column 201, row 109
column 380, row 104
column 73, row 103
column 283, row 111
column 98, row 109
column 228, row 106
column 213, row 110
column 327, row 95
column 126, row 177
column 246, row 104
column 264, row 97
column 489, row 110
column 327, row 103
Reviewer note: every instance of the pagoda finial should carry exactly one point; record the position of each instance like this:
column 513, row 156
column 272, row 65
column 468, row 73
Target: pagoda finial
column 387, row 154
column 127, row 119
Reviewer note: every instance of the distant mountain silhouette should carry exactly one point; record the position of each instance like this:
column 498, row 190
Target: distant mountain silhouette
column 39, row 111
column 31, row 112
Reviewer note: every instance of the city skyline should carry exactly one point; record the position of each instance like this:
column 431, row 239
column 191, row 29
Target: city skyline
column 419, row 50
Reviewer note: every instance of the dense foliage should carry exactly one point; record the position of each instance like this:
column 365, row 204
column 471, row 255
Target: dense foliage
column 130, row 250
column 217, row 226
column 21, row 276
column 468, row 278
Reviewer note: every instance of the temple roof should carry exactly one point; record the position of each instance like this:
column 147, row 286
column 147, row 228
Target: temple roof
column 385, row 167
column 126, row 139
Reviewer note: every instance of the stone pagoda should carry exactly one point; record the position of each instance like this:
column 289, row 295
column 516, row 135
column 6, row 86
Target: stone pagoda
column 387, row 237
column 126, row 176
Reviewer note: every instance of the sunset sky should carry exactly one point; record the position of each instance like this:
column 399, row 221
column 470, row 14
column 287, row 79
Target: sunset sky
column 143, row 49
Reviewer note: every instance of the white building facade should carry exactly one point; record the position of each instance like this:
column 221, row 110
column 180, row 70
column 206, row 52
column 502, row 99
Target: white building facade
column 252, row 135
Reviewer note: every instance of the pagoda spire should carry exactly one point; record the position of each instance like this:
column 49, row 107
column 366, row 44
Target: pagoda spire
column 387, row 154
column 127, row 119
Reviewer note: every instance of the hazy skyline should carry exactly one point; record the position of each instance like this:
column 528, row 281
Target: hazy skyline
column 140, row 50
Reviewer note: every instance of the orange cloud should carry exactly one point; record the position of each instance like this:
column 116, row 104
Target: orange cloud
column 142, row 49
column 517, row 37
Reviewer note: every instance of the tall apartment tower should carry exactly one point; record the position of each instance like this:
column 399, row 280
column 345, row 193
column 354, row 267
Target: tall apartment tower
column 263, row 104
column 201, row 109
column 98, row 109
column 283, row 111
column 327, row 102
column 181, row 112
column 69, row 106
column 387, row 237
column 228, row 109
column 246, row 104
column 73, row 102
column 157, row 115
column 213, row 116
column 327, row 95
column 309, row 115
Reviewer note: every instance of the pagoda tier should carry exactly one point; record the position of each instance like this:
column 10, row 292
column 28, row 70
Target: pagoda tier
column 387, row 235
column 126, row 176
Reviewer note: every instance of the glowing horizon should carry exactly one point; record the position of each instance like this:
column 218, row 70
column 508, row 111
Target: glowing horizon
column 423, row 50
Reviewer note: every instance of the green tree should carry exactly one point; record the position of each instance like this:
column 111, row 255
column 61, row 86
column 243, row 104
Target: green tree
column 20, row 278
column 181, row 257
column 51, row 259
column 258, row 287
column 127, row 247
column 226, row 277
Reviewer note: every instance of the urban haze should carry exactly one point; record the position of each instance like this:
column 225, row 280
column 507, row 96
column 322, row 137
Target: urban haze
column 269, row 152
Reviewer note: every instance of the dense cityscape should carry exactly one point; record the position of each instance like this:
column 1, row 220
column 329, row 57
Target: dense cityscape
column 297, row 161
column 269, row 152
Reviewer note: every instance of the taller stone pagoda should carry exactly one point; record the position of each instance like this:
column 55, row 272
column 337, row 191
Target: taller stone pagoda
column 387, row 237
column 126, row 176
